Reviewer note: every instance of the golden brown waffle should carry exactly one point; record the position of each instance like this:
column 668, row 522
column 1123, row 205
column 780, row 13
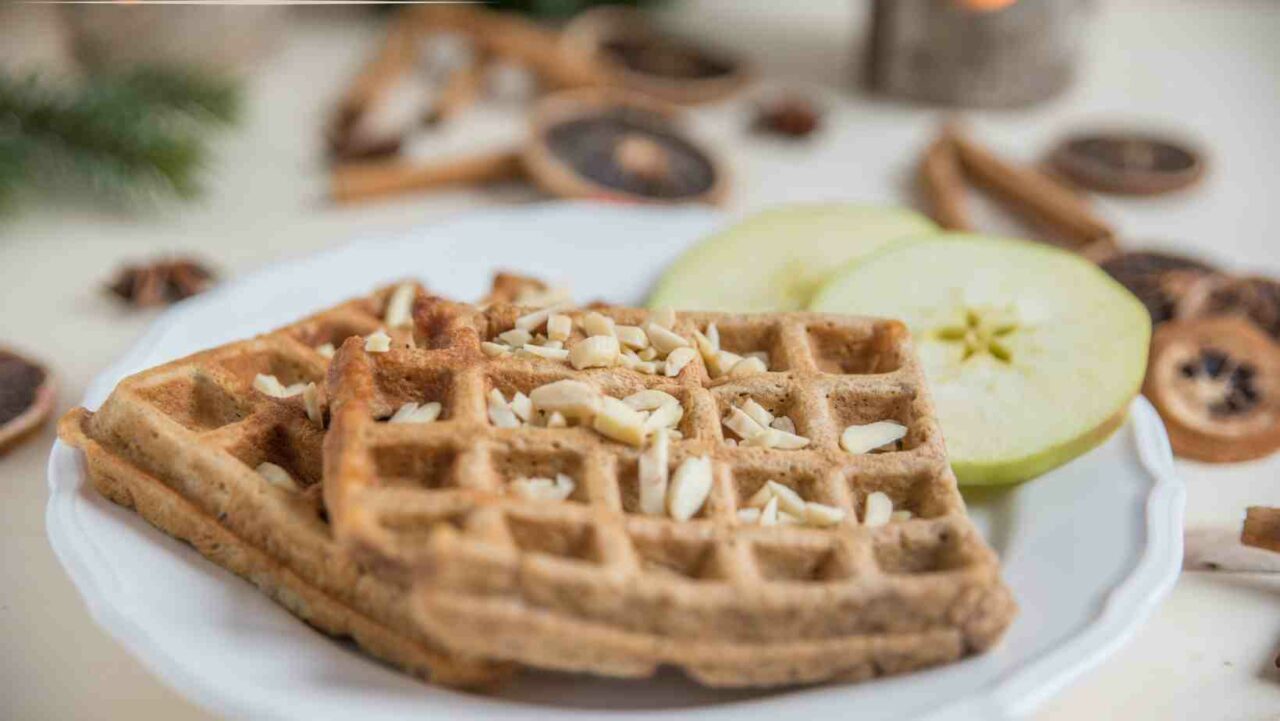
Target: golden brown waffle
column 180, row 444
column 589, row 583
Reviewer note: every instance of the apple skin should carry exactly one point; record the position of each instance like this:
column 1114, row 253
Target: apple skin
column 1021, row 470
column 775, row 260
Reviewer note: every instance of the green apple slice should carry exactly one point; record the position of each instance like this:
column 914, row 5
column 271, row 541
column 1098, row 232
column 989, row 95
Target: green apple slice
column 1032, row 354
column 775, row 260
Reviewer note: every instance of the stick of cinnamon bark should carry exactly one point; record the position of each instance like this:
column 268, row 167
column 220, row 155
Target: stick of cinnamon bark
column 942, row 183
column 1218, row 548
column 1032, row 193
column 1261, row 528
column 393, row 58
column 353, row 182
column 505, row 35
column 459, row 93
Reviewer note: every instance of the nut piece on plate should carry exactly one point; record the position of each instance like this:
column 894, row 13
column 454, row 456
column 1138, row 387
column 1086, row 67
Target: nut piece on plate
column 26, row 398
column 1216, row 384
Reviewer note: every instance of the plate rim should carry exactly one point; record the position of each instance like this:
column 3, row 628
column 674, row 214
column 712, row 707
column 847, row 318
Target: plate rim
column 1013, row 695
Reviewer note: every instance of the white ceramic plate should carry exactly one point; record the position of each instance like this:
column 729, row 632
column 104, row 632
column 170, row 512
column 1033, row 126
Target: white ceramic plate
column 1088, row 549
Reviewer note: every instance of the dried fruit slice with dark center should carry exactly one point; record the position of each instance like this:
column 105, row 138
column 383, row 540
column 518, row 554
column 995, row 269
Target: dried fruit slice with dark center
column 1257, row 299
column 1160, row 280
column 1216, row 384
column 26, row 398
column 638, row 56
column 1128, row 163
column 589, row 145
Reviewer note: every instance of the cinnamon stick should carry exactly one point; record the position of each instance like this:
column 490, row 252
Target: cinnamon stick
column 393, row 58
column 353, row 182
column 1219, row 549
column 943, row 185
column 557, row 64
column 1261, row 528
column 1032, row 193
column 459, row 93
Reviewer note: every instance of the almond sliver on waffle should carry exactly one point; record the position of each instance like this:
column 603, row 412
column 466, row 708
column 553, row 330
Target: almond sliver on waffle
column 800, row 556
column 201, row 451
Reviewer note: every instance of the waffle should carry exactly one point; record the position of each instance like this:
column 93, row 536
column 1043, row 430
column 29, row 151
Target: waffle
column 180, row 443
column 591, row 584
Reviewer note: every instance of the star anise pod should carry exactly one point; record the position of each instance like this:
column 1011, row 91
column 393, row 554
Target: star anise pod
column 792, row 117
column 161, row 282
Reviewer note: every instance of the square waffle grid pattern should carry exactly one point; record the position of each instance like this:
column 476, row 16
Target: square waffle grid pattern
column 181, row 443
column 590, row 583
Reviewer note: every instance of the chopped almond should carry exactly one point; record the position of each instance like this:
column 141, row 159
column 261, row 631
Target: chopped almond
column 555, row 354
column 312, row 403
column 400, row 307
column 631, row 336
column 648, row 400
column 678, row 359
column 619, row 421
column 744, row 425
column 878, row 510
column 597, row 351
column 277, row 476
column 652, row 474
column 757, row 412
column 494, row 350
column 866, row 438
column 559, row 327
column 516, row 337
column 689, row 489
column 822, row 515
column 377, row 342
column 598, row 324
column 747, row 367
column 573, row 399
column 664, row 340
column 769, row 514
column 774, row 438
column 665, row 317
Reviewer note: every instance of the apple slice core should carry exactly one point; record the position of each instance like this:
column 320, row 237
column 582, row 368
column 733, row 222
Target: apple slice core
column 1032, row 354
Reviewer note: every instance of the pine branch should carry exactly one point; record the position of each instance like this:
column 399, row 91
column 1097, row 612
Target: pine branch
column 187, row 91
column 138, row 134
column 13, row 158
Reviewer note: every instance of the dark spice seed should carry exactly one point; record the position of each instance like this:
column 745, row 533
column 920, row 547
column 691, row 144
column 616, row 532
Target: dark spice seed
column 1245, row 372
column 1214, row 360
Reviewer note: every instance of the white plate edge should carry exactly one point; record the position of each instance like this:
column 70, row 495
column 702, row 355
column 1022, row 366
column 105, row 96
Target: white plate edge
column 1130, row 603
column 1015, row 696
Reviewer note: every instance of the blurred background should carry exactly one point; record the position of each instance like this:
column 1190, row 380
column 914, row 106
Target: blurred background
column 148, row 152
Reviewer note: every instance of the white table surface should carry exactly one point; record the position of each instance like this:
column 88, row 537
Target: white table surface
column 1209, row 69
